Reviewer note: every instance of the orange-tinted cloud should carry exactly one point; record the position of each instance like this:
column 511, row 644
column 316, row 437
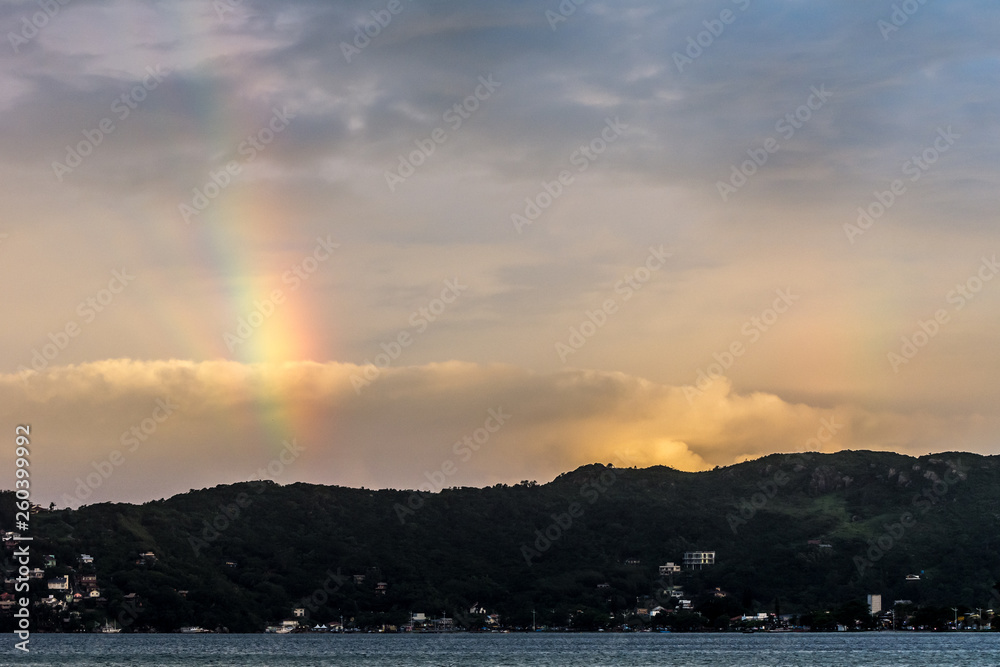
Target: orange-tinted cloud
column 141, row 430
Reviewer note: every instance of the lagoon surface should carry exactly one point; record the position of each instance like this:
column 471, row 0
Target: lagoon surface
column 576, row 650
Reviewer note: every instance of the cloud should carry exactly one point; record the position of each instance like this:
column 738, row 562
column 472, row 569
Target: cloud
column 324, row 177
column 136, row 430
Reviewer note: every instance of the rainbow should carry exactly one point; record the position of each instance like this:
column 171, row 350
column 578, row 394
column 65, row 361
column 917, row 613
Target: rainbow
column 228, row 240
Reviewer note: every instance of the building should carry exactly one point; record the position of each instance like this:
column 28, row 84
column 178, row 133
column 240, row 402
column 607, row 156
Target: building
column 669, row 568
column 874, row 604
column 59, row 583
column 696, row 560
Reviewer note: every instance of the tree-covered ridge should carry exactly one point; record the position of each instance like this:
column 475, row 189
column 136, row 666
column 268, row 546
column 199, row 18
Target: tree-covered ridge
column 803, row 533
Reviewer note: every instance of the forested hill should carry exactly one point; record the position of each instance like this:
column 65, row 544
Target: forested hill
column 806, row 531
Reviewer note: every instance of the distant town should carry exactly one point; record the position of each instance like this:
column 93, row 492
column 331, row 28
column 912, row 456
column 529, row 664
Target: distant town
column 63, row 600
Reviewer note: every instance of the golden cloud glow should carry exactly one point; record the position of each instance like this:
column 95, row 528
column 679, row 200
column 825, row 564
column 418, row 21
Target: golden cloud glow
column 167, row 426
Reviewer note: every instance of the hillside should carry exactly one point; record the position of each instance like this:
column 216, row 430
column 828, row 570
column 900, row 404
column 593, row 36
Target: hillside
column 809, row 532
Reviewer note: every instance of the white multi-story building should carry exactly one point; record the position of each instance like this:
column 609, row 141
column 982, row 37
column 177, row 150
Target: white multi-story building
column 669, row 568
column 696, row 560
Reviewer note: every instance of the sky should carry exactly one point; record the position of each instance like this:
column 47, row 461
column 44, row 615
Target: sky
column 415, row 244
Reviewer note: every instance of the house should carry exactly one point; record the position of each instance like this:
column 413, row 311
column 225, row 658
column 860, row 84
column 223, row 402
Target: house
column 6, row 601
column 51, row 601
column 86, row 559
column 299, row 612
column 59, row 583
column 913, row 577
column 148, row 556
column 36, row 573
column 381, row 588
column 94, row 593
column 696, row 560
column 359, row 579
column 50, row 561
column 442, row 624
column 669, row 568
column 88, row 581
column 633, row 562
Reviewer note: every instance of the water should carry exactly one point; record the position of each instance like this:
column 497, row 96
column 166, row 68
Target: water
column 537, row 650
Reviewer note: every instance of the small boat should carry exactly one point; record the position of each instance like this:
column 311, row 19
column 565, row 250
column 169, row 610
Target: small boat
column 110, row 629
column 193, row 630
column 279, row 629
